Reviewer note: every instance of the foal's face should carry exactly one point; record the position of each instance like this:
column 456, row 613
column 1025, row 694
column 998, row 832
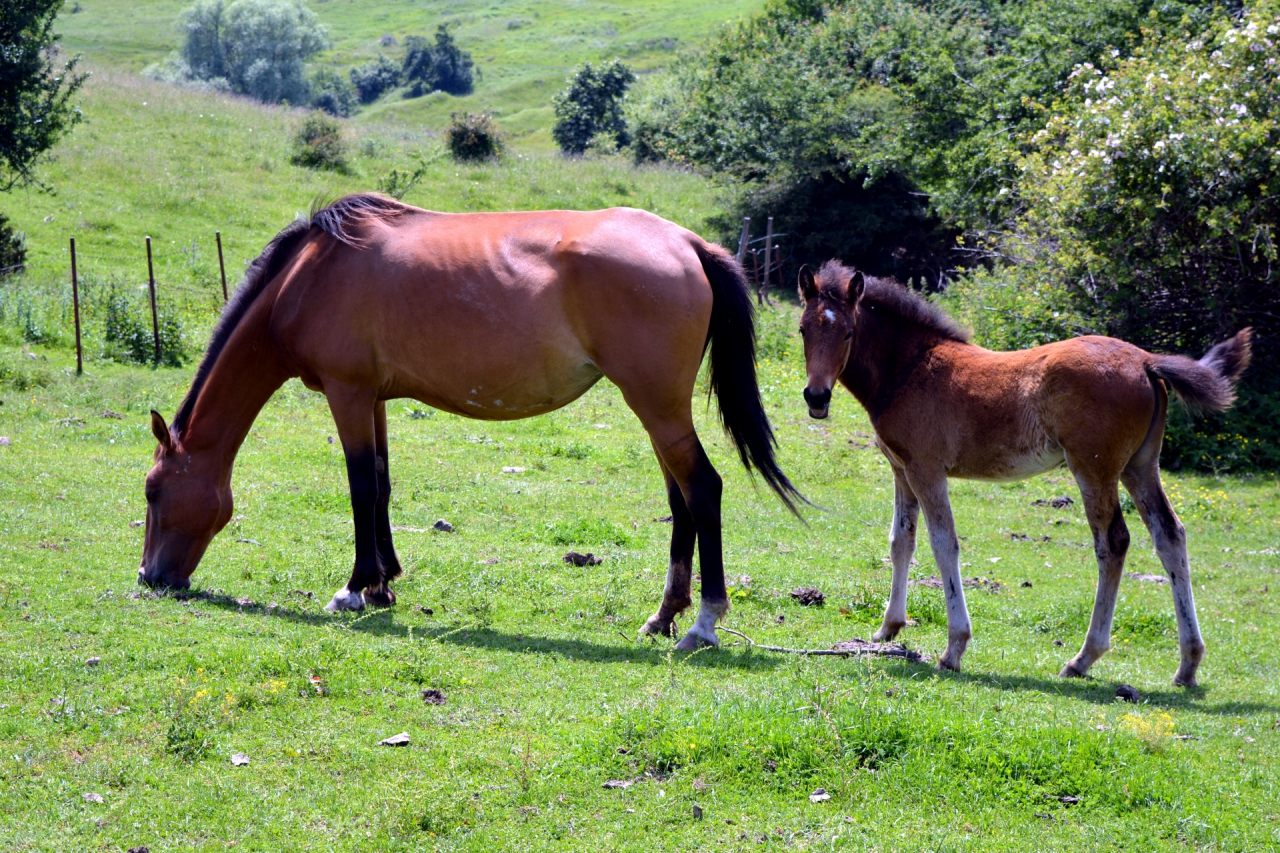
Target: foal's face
column 827, row 329
column 185, row 509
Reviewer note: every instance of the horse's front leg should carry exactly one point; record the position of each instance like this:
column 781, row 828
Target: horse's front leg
column 354, row 416
column 931, row 490
column 380, row 594
column 676, row 594
column 902, row 545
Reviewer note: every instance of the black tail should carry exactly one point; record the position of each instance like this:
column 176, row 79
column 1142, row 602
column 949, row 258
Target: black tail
column 733, row 371
column 1207, row 385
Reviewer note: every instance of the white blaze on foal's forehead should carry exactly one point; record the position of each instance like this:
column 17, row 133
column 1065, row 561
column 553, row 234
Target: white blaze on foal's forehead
column 830, row 315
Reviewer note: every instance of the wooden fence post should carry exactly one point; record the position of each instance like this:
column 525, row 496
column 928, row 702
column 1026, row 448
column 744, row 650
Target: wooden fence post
column 155, row 321
column 763, row 285
column 742, row 241
column 222, row 268
column 75, row 303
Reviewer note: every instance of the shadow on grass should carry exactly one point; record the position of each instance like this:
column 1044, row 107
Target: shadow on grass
column 383, row 623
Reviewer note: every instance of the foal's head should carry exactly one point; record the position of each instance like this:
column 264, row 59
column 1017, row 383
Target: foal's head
column 827, row 329
column 187, row 504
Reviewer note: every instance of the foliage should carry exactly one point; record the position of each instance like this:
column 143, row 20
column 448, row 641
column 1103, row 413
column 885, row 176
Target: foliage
column 333, row 93
column 591, row 105
column 129, row 339
column 374, row 78
column 443, row 66
column 258, row 47
column 473, row 136
column 1148, row 208
column 13, row 249
column 319, row 144
column 36, row 88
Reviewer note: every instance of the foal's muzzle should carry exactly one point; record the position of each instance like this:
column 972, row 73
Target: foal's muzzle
column 818, row 402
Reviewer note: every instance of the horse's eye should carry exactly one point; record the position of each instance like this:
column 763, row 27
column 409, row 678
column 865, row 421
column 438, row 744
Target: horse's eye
column 848, row 335
column 802, row 330
column 152, row 495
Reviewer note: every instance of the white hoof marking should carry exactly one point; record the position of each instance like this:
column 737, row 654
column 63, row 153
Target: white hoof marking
column 345, row 599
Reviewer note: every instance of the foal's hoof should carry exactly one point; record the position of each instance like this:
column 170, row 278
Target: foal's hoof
column 886, row 633
column 379, row 596
column 1071, row 670
column 1185, row 680
column 345, row 599
column 948, row 664
column 658, row 627
column 695, row 640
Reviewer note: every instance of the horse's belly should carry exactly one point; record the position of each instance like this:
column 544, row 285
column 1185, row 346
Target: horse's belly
column 1018, row 465
column 509, row 391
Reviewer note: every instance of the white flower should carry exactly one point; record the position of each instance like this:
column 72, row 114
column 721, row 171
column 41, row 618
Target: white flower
column 1205, row 75
column 1241, row 109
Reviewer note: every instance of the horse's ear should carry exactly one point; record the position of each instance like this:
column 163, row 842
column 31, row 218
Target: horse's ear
column 856, row 284
column 808, row 286
column 161, row 431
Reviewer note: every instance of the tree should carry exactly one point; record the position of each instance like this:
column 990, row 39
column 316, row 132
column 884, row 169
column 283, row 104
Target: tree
column 258, row 47
column 443, row 66
column 592, row 105
column 36, row 88
column 374, row 78
column 332, row 92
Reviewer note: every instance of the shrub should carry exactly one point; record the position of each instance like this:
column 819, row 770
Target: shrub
column 592, row 104
column 258, row 47
column 332, row 92
column 318, row 144
column 473, row 136
column 374, row 78
column 130, row 340
column 13, row 249
column 443, row 66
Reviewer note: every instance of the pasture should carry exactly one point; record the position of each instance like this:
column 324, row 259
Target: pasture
column 547, row 694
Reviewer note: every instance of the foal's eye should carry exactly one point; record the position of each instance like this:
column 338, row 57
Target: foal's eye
column 848, row 335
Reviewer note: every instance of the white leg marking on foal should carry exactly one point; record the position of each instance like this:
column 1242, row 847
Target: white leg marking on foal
column 703, row 632
column 345, row 599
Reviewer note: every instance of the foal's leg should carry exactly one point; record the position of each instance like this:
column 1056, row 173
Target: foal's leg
column 931, row 491
column 352, row 409
column 1110, row 544
column 380, row 594
column 902, row 545
column 1170, row 539
column 675, row 596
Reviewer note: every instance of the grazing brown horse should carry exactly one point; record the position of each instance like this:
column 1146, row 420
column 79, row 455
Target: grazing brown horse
column 943, row 407
column 495, row 316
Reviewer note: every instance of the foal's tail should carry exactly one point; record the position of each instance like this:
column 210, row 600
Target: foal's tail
column 732, row 339
column 1207, row 385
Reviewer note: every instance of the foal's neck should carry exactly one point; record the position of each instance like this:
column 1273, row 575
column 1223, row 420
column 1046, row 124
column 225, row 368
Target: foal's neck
column 245, row 375
column 886, row 347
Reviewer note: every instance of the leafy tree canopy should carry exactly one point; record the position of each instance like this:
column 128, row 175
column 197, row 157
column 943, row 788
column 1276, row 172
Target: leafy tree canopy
column 592, row 105
column 443, row 66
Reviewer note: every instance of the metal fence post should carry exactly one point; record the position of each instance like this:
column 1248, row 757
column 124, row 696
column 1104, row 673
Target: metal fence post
column 75, row 302
column 155, row 321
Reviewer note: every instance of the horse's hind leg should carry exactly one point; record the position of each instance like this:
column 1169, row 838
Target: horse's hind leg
column 1170, row 539
column 675, row 595
column 352, row 410
column 902, row 545
column 380, row 594
column 1110, row 544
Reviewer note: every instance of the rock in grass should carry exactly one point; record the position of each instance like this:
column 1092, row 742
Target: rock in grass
column 809, row 596
column 93, row 661
column 401, row 739
column 573, row 558
column 512, row 469
column 239, row 759
column 139, row 850
column 819, row 796
column 1055, row 503
column 1128, row 694
column 432, row 696
column 93, row 798
column 443, row 526
column 617, row 784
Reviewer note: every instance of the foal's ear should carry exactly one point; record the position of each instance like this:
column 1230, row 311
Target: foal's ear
column 808, row 286
column 161, row 431
column 856, row 284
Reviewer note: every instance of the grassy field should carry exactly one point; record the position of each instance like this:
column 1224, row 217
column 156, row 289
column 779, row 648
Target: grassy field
column 524, row 50
column 547, row 694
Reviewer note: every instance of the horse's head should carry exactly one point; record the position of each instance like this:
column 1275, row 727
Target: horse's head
column 186, row 506
column 827, row 329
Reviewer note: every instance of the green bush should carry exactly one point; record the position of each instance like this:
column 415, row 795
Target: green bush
column 592, row 105
column 332, row 93
column 473, row 136
column 13, row 249
column 129, row 339
column 443, row 66
column 319, row 144
column 374, row 78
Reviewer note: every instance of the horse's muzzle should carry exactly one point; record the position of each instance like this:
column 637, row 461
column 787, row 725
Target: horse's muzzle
column 159, row 579
column 819, row 402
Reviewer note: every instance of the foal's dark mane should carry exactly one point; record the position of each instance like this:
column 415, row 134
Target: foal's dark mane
column 889, row 294
column 337, row 219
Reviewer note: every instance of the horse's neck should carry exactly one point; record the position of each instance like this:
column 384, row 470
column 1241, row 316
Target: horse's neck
column 247, row 372
column 885, row 345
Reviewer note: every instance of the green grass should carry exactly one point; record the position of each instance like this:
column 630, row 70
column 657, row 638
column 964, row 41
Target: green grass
column 548, row 694
column 524, row 50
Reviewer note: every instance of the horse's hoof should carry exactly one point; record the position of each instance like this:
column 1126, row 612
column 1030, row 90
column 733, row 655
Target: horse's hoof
column 886, row 633
column 379, row 596
column 656, row 627
column 948, row 665
column 345, row 599
column 1188, row 681
column 1072, row 671
column 693, row 641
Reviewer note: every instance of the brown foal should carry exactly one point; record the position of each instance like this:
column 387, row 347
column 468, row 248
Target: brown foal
column 495, row 316
column 943, row 407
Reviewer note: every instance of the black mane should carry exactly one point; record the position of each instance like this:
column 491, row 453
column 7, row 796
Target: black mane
column 889, row 294
column 337, row 220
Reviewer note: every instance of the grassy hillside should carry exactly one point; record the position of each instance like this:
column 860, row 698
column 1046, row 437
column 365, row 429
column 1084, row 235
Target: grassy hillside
column 523, row 49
